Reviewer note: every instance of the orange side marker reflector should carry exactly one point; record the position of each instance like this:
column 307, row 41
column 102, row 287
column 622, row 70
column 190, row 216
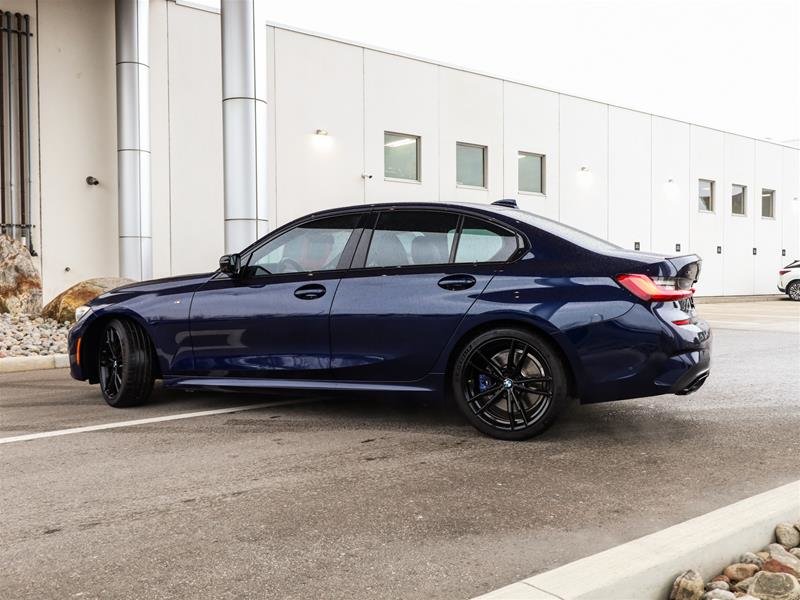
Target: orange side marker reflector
column 78, row 352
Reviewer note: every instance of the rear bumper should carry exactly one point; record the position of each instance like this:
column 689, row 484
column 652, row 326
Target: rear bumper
column 656, row 357
column 781, row 290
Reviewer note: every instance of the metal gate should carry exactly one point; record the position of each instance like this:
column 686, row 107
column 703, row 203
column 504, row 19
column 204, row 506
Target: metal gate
column 15, row 127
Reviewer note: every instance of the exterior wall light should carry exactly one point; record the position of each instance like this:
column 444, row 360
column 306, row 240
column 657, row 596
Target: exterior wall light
column 585, row 177
column 585, row 169
column 322, row 132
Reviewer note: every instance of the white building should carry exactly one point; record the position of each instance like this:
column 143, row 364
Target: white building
column 346, row 125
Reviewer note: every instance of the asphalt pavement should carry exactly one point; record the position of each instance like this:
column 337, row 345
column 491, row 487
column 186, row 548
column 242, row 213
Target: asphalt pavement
column 375, row 497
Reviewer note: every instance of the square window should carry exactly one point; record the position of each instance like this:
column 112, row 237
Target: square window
column 401, row 156
column 530, row 172
column 738, row 199
column 768, row 203
column 705, row 195
column 471, row 165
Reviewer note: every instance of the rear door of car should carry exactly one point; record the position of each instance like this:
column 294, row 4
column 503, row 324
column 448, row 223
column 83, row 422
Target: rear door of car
column 415, row 274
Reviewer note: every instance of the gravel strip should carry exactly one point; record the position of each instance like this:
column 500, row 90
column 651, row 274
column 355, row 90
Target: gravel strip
column 771, row 574
column 31, row 336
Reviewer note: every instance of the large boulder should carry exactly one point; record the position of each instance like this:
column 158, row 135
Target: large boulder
column 62, row 307
column 20, row 282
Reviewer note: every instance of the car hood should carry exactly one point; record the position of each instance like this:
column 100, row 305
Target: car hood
column 152, row 286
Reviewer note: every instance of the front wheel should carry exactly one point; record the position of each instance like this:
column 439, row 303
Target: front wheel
column 793, row 290
column 125, row 364
column 510, row 383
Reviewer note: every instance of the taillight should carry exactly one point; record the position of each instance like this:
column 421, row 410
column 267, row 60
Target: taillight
column 783, row 271
column 647, row 289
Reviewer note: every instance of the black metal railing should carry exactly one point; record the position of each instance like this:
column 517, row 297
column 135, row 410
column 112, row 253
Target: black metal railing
column 15, row 127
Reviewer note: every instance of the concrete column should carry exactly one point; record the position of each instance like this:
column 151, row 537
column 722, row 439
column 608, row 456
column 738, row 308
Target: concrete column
column 133, row 139
column 244, row 121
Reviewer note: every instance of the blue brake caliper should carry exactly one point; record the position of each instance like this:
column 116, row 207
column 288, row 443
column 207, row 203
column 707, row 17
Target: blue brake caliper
column 484, row 382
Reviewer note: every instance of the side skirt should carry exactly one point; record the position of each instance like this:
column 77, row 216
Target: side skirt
column 427, row 385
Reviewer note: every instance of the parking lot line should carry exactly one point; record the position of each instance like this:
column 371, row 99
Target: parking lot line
column 134, row 422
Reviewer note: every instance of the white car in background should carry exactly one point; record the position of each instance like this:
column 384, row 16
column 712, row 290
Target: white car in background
column 789, row 280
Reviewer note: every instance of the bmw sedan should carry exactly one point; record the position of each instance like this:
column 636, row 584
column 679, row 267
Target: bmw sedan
column 510, row 313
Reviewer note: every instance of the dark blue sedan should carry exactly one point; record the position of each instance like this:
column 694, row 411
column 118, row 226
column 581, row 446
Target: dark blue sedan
column 510, row 312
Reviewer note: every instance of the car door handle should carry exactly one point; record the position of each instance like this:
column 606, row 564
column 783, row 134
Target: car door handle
column 310, row 291
column 457, row 282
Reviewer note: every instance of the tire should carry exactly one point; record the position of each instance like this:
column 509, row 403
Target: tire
column 793, row 290
column 510, row 400
column 124, row 364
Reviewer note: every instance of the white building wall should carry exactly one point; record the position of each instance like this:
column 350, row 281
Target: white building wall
column 707, row 227
column 319, row 84
column 767, row 230
column 789, row 206
column 530, row 124
column 738, row 231
column 629, row 166
column 471, row 111
column 401, row 96
column 670, row 186
column 584, row 165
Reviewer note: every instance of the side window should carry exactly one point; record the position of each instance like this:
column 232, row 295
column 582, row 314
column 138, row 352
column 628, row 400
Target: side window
column 412, row 237
column 313, row 246
column 481, row 241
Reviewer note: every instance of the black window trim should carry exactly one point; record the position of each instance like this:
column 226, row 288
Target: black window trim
column 362, row 251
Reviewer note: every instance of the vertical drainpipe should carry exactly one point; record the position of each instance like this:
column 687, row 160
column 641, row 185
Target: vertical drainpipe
column 133, row 139
column 244, row 121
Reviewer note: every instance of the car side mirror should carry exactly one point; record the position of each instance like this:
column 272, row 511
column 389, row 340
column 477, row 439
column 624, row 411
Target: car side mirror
column 230, row 264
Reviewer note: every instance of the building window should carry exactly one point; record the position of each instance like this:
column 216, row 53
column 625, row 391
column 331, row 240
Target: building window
column 530, row 172
column 705, row 195
column 401, row 156
column 738, row 199
column 768, row 203
column 471, row 165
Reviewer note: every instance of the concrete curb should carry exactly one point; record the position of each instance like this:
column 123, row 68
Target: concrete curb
column 14, row 364
column 644, row 569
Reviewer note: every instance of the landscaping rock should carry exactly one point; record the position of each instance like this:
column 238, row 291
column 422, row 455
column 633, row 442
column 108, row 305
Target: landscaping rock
column 20, row 283
column 751, row 558
column 687, row 586
column 743, row 585
column 795, row 552
column 779, row 553
column 788, row 535
column 62, row 307
column 774, row 586
column 719, row 595
column 717, row 585
column 21, row 335
column 739, row 571
column 773, row 566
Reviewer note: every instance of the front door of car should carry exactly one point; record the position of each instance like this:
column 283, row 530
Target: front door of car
column 272, row 320
column 414, row 277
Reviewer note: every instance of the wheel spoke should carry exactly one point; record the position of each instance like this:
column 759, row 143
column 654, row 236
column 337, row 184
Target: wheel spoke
column 498, row 371
column 533, row 390
column 511, row 366
column 510, row 409
column 519, row 406
column 484, row 392
column 489, row 402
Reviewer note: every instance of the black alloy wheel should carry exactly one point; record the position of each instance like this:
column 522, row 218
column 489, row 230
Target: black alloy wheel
column 510, row 384
column 124, row 364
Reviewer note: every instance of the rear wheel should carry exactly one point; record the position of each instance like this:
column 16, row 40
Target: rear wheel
column 793, row 290
column 510, row 384
column 124, row 363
